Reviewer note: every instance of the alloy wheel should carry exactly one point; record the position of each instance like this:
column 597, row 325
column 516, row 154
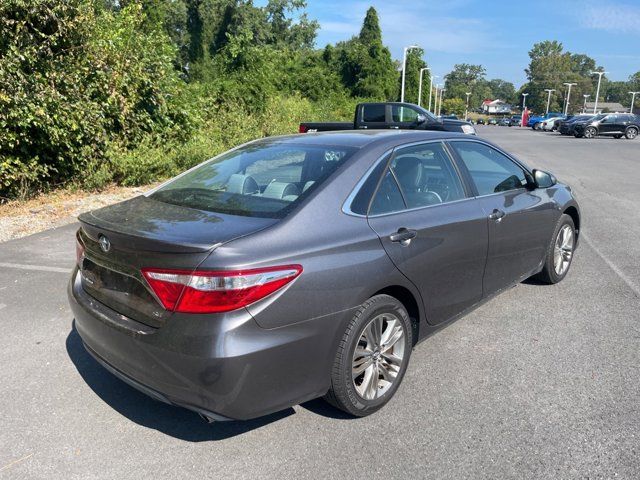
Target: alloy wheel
column 590, row 132
column 378, row 356
column 563, row 250
column 632, row 133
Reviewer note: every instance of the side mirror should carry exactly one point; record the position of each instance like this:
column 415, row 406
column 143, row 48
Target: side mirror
column 543, row 179
column 421, row 119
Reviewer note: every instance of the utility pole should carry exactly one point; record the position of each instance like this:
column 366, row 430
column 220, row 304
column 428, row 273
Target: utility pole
column 431, row 77
column 420, row 84
column 404, row 68
column 549, row 91
column 466, row 108
column 441, row 97
column 566, row 107
column 633, row 100
column 600, row 74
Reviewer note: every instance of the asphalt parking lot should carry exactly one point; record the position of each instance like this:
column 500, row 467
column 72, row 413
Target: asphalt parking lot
column 541, row 382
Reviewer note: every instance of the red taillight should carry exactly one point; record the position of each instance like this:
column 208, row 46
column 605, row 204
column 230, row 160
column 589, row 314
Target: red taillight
column 212, row 292
column 79, row 253
column 302, row 128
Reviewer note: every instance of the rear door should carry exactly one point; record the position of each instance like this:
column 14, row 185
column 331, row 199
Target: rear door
column 431, row 228
column 520, row 220
column 609, row 124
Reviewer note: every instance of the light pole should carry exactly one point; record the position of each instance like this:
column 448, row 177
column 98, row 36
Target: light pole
column 420, row 84
column 584, row 107
column 595, row 105
column 441, row 97
column 549, row 91
column 435, row 100
column 466, row 108
column 404, row 68
column 431, row 77
column 633, row 100
column 566, row 107
column 524, row 108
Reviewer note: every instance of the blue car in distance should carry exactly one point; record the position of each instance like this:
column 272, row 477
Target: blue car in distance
column 535, row 121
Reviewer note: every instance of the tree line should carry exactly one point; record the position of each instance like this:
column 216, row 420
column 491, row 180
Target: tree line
column 94, row 92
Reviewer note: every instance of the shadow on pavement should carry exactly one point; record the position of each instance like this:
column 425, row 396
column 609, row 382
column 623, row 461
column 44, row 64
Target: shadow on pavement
column 137, row 407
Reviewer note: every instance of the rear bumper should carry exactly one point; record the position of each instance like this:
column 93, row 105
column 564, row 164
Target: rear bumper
column 223, row 366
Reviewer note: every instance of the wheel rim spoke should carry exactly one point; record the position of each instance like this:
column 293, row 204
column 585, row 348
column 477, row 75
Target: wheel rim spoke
column 563, row 250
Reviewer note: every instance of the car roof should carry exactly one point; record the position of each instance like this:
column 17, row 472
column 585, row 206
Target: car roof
column 363, row 138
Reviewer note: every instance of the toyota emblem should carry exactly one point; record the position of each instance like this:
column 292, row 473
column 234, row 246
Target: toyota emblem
column 105, row 244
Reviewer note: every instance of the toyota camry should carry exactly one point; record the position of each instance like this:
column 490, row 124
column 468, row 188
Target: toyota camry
column 308, row 266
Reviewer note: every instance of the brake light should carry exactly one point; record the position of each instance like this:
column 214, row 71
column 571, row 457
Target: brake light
column 216, row 291
column 302, row 128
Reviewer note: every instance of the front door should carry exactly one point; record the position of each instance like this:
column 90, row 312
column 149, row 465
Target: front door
column 434, row 232
column 519, row 218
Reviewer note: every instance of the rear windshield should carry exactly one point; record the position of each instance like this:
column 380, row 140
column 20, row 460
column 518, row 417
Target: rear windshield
column 263, row 180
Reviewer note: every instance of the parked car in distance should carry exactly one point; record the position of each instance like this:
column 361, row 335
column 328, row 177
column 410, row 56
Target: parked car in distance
column 303, row 266
column 551, row 124
column 504, row 122
column 535, row 121
column 492, row 121
column 566, row 127
column 617, row 125
column 391, row 115
column 515, row 121
column 481, row 121
column 451, row 116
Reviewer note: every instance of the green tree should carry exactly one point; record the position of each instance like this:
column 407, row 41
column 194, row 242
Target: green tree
column 467, row 78
column 365, row 64
column 502, row 89
column 453, row 106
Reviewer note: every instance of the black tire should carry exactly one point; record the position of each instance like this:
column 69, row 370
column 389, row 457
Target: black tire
column 590, row 132
column 536, row 126
column 617, row 136
column 343, row 393
column 631, row 133
column 577, row 135
column 549, row 274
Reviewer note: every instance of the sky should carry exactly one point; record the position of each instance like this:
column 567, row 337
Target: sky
column 497, row 34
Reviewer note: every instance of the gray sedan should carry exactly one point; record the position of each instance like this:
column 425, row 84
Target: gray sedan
column 303, row 266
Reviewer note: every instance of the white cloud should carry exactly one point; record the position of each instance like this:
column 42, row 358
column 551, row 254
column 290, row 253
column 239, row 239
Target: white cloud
column 610, row 17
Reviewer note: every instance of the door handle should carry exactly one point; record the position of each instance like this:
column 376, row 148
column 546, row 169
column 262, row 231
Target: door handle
column 403, row 236
column 496, row 215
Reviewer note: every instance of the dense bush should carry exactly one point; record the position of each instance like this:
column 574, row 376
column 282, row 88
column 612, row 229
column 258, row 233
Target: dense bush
column 94, row 92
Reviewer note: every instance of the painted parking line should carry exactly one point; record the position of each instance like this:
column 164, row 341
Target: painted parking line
column 37, row 268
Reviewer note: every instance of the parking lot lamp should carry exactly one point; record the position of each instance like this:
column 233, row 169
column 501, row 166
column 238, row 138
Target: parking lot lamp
column 600, row 74
column 466, row 108
column 633, row 100
column 420, row 84
column 441, row 97
column 404, row 68
column 549, row 91
column 584, row 106
column 431, row 77
column 566, row 107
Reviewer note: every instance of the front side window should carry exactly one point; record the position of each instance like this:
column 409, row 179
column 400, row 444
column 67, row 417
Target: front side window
column 258, row 180
column 490, row 170
column 402, row 114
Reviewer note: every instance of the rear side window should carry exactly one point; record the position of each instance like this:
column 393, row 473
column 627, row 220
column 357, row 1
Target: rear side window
column 258, row 180
column 388, row 198
column 373, row 113
column 426, row 175
column 490, row 170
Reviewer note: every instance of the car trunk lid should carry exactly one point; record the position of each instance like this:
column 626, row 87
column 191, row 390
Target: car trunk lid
column 121, row 239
